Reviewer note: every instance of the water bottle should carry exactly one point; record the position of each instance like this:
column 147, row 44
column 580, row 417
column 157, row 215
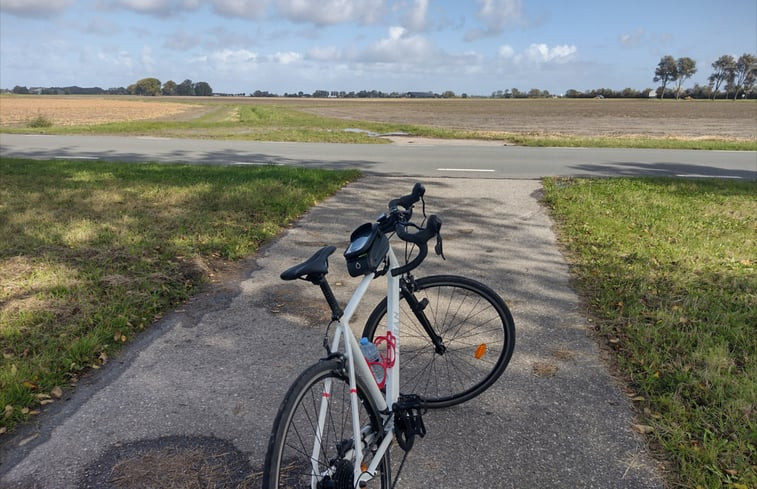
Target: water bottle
column 371, row 354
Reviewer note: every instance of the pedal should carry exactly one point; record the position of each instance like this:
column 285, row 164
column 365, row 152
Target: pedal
column 408, row 420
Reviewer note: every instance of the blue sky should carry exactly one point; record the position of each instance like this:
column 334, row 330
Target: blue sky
column 473, row 47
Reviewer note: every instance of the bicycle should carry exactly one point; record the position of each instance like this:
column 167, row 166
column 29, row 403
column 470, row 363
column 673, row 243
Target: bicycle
column 338, row 419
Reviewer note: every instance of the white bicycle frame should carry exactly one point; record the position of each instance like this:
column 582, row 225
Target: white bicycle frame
column 357, row 366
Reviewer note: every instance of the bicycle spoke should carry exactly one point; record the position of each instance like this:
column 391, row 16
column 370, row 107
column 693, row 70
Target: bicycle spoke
column 290, row 460
column 476, row 332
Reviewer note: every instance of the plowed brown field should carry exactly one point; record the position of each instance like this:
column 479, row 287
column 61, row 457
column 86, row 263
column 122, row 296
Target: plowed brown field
column 689, row 119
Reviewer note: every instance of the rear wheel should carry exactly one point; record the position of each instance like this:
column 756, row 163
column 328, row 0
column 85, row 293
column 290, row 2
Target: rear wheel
column 290, row 462
column 476, row 338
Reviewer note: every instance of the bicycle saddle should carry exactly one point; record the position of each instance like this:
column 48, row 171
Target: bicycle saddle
column 315, row 266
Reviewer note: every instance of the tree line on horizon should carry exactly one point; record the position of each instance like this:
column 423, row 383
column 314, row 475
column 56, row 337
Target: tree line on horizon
column 152, row 87
column 146, row 87
column 735, row 76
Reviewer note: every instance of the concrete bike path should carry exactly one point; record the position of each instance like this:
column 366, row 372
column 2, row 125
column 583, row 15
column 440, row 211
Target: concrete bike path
column 210, row 376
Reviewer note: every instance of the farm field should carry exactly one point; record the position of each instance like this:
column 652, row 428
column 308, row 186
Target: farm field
column 83, row 110
column 583, row 117
column 500, row 119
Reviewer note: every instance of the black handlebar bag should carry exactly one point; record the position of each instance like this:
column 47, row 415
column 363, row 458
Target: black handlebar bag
column 367, row 249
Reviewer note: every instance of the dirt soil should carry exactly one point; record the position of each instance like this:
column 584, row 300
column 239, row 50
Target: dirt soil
column 78, row 110
column 579, row 117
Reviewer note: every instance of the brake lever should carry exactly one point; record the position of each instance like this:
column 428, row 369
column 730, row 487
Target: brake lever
column 439, row 248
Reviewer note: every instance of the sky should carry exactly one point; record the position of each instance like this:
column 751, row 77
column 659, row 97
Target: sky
column 474, row 47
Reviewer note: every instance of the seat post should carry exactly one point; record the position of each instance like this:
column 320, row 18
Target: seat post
column 336, row 311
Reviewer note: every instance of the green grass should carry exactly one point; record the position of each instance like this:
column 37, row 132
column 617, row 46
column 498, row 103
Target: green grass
column 247, row 122
column 629, row 142
column 93, row 252
column 667, row 268
column 39, row 121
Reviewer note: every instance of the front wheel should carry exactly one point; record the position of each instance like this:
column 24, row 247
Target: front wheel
column 475, row 338
column 312, row 442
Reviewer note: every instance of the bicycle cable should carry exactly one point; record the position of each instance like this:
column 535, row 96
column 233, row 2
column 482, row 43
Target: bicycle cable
column 326, row 338
column 409, row 253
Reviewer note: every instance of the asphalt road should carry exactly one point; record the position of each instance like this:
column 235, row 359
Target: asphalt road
column 210, row 375
column 422, row 159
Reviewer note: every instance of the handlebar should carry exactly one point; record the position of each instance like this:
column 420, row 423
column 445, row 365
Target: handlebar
column 398, row 221
column 424, row 234
column 408, row 200
column 420, row 239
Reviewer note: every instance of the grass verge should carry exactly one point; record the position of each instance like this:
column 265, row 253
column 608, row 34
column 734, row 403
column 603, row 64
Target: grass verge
column 567, row 141
column 247, row 122
column 93, row 252
column 667, row 268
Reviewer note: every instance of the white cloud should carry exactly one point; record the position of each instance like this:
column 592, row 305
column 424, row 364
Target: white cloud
column 397, row 55
column 25, row 8
column 101, row 26
column 329, row 53
column 228, row 60
column 400, row 57
column 328, row 12
column 506, row 51
column 148, row 61
column 156, row 7
column 120, row 60
column 250, row 9
column 286, row 58
column 416, row 18
column 180, row 41
column 632, row 39
column 496, row 15
column 400, row 47
column 541, row 53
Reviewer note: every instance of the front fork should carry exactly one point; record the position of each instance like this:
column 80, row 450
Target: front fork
column 407, row 289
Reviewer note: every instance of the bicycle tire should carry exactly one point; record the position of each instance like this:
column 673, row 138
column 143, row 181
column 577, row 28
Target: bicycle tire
column 478, row 333
column 288, row 458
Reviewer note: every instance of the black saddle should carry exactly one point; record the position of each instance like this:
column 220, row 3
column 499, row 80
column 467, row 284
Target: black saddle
column 313, row 268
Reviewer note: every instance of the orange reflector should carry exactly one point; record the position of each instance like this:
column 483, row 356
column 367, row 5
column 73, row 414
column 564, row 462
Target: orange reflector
column 364, row 467
column 480, row 351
